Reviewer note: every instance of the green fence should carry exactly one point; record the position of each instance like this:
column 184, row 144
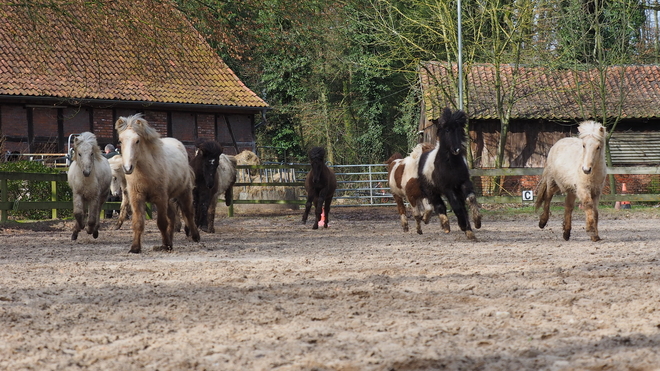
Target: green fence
column 358, row 185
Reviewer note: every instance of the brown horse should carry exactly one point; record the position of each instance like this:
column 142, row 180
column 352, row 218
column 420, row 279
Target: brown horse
column 404, row 185
column 156, row 171
column 320, row 185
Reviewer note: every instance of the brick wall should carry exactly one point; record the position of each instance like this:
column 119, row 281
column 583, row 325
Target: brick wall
column 157, row 120
column 206, row 126
column 104, row 125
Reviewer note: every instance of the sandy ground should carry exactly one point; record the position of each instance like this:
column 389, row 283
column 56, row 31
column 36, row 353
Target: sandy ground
column 267, row 293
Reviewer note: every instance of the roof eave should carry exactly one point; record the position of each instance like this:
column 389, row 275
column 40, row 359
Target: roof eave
column 109, row 103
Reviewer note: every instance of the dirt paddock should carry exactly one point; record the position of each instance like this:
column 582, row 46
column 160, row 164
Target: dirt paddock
column 267, row 293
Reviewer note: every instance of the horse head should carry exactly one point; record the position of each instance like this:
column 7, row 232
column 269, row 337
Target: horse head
column 134, row 133
column 316, row 158
column 592, row 135
column 451, row 131
column 85, row 150
column 208, row 157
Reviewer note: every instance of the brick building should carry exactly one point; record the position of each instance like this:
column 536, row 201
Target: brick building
column 79, row 66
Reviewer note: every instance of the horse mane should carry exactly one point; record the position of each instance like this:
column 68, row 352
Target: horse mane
column 209, row 148
column 593, row 128
column 139, row 125
column 449, row 119
column 90, row 139
column 317, row 154
column 394, row 157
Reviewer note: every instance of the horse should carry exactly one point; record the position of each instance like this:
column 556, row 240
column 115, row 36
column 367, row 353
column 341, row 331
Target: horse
column 404, row 185
column 320, row 185
column 443, row 171
column 215, row 173
column 89, row 177
column 576, row 167
column 157, row 171
column 118, row 187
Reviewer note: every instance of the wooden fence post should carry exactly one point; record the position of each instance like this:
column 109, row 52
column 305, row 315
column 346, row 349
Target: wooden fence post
column 53, row 197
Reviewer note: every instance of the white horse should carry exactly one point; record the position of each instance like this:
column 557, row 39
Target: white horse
column 576, row 167
column 89, row 177
column 156, row 171
column 118, row 187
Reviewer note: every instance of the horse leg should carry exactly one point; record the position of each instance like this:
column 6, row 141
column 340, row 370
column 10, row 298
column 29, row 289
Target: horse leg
column 185, row 201
column 93, row 222
column 123, row 210
column 165, row 222
column 210, row 214
column 308, row 206
column 79, row 215
column 471, row 199
column 401, row 208
column 428, row 209
column 591, row 211
column 458, row 205
column 569, row 205
column 318, row 210
column 326, row 209
column 417, row 213
column 137, row 205
column 441, row 210
column 548, row 193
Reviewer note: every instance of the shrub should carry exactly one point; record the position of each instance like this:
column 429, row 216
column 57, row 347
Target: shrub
column 34, row 191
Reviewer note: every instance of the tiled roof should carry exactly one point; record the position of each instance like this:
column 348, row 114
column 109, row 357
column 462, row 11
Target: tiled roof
column 542, row 93
column 129, row 50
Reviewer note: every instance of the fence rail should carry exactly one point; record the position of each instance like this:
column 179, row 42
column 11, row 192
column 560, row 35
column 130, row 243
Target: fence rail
column 358, row 185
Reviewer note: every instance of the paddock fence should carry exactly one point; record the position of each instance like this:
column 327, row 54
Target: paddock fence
column 358, row 185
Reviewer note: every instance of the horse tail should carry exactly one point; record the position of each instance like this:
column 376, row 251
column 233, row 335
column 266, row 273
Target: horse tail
column 541, row 191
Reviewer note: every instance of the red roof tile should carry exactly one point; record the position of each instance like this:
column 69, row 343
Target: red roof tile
column 134, row 50
column 542, row 93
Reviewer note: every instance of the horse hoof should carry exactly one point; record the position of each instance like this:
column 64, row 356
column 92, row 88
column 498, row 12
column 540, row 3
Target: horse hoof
column 477, row 222
column 74, row 236
column 405, row 228
column 95, row 234
column 542, row 224
column 567, row 235
column 316, row 226
column 117, row 226
column 135, row 250
column 419, row 231
column 595, row 238
column 162, row 248
column 470, row 235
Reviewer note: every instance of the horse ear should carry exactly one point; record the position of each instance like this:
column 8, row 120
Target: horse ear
column 142, row 122
column 120, row 125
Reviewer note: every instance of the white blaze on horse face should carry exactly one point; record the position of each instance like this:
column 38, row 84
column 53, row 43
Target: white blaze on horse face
column 591, row 152
column 129, row 140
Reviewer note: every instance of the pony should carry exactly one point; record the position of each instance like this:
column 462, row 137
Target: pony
column 576, row 167
column 320, row 185
column 404, row 185
column 156, row 171
column 89, row 177
column 443, row 171
column 118, row 187
column 215, row 173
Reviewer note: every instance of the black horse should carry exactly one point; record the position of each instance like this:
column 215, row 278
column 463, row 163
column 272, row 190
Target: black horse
column 205, row 166
column 320, row 185
column 444, row 172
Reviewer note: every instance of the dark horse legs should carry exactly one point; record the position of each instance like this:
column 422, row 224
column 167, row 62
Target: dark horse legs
column 319, row 206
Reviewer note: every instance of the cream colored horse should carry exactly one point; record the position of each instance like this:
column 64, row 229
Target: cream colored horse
column 89, row 177
column 576, row 167
column 156, row 171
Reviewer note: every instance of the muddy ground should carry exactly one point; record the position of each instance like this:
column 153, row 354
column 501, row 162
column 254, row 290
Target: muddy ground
column 267, row 293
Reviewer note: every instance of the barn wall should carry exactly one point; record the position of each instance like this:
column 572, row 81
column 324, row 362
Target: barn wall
column 46, row 129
